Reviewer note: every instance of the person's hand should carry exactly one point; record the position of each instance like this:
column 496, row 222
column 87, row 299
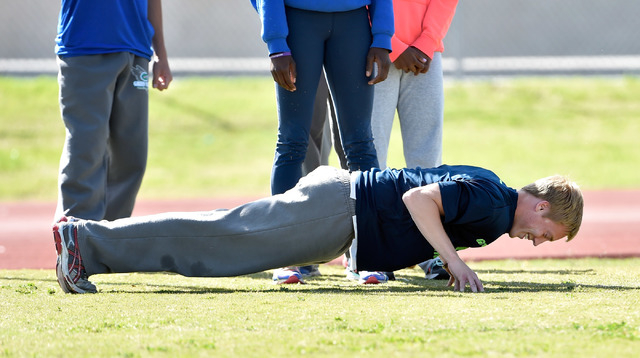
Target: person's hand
column 283, row 71
column 380, row 57
column 461, row 275
column 161, row 75
column 413, row 60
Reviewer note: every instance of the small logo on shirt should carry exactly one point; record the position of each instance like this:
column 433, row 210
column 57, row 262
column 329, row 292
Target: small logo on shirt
column 481, row 242
column 141, row 78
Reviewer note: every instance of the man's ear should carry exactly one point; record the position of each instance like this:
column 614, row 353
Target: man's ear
column 543, row 205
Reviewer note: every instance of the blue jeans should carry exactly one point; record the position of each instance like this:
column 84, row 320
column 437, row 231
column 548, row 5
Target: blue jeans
column 340, row 42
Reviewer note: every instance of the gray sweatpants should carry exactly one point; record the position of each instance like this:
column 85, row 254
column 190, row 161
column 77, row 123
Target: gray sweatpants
column 323, row 133
column 104, row 105
column 419, row 101
column 310, row 223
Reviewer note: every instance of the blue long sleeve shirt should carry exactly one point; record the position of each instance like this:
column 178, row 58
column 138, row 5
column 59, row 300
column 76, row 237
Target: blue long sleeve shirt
column 274, row 21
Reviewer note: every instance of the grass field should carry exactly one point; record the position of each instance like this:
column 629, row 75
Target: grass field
column 541, row 308
column 216, row 136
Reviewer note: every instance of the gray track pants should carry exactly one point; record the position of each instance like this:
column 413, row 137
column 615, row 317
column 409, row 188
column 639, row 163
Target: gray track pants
column 104, row 105
column 311, row 223
column 420, row 104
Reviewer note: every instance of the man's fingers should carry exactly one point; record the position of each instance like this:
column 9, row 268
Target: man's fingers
column 161, row 83
column 293, row 73
column 459, row 286
column 463, row 285
column 369, row 67
column 475, row 285
column 284, row 79
column 283, row 71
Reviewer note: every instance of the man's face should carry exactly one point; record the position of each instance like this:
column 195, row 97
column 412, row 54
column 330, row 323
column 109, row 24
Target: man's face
column 534, row 226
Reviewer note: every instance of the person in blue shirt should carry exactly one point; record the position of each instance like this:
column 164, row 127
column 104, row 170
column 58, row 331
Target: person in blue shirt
column 346, row 39
column 351, row 41
column 104, row 49
column 394, row 218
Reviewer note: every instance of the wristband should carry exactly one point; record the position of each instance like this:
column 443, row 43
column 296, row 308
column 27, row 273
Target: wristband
column 280, row 54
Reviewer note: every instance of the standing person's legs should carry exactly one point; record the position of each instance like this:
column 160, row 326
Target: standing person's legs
column 87, row 84
column 317, row 154
column 128, row 140
column 323, row 132
column 335, row 134
column 421, row 112
column 385, row 101
column 345, row 65
column 319, row 146
column 243, row 240
column 307, row 31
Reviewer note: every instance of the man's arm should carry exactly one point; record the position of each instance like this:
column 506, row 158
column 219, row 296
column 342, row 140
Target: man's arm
column 161, row 72
column 425, row 206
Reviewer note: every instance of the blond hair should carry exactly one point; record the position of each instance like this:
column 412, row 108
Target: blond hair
column 565, row 198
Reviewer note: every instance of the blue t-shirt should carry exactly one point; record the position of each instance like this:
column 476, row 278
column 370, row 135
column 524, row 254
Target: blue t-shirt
column 91, row 27
column 478, row 208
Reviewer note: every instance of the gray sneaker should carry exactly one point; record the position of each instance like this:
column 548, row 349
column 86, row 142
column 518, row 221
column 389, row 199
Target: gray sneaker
column 310, row 271
column 72, row 277
column 434, row 270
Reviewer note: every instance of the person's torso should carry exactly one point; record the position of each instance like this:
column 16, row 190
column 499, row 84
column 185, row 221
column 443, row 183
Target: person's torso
column 478, row 209
column 409, row 15
column 96, row 27
column 327, row 5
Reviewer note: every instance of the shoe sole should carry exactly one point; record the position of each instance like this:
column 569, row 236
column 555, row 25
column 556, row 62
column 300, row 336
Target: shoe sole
column 371, row 280
column 61, row 280
column 290, row 280
column 352, row 276
column 436, row 276
column 62, row 271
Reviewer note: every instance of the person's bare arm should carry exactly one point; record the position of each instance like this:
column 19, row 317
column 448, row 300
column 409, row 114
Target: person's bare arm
column 425, row 206
column 161, row 72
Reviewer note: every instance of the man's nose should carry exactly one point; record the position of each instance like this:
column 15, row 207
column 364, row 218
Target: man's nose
column 538, row 240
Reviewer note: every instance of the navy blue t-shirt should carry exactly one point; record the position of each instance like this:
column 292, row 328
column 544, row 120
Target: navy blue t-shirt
column 478, row 208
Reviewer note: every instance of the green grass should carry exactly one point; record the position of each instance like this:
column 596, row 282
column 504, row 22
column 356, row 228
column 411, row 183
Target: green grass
column 541, row 308
column 216, row 136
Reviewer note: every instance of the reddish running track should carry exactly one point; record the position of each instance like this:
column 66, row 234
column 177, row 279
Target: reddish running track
column 611, row 221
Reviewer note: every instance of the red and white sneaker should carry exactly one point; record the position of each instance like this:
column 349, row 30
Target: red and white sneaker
column 372, row 277
column 70, row 271
column 287, row 275
column 364, row 277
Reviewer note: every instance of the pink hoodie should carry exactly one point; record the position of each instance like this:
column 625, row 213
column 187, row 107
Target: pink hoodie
column 421, row 24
